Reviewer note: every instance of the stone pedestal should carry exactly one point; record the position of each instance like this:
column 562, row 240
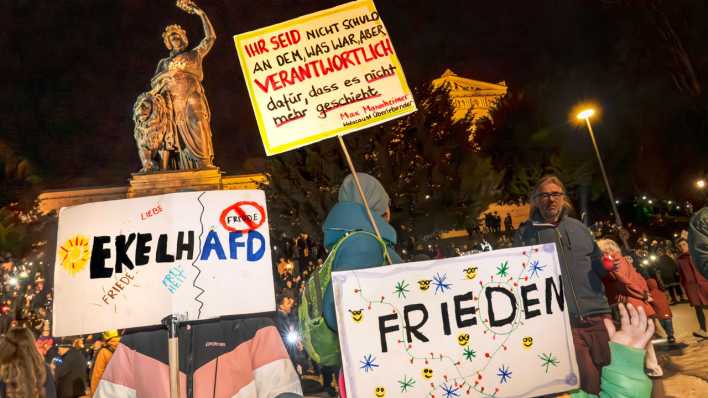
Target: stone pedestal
column 151, row 184
column 157, row 183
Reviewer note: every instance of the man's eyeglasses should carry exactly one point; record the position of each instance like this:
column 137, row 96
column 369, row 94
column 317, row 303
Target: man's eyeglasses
column 549, row 195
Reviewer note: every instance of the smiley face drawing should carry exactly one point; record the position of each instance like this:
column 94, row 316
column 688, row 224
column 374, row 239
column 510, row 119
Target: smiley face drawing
column 357, row 315
column 463, row 339
column 424, row 284
column 427, row 373
column 471, row 272
column 527, row 342
column 380, row 392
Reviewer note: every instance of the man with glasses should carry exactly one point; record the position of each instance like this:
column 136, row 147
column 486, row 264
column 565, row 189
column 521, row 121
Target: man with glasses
column 582, row 272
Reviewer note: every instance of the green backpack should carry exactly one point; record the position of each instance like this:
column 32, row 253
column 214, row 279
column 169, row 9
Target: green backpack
column 320, row 342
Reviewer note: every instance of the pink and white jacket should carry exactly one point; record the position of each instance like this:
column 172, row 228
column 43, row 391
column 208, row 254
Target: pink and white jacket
column 242, row 358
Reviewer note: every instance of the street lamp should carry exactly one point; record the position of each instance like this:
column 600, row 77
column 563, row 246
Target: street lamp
column 585, row 114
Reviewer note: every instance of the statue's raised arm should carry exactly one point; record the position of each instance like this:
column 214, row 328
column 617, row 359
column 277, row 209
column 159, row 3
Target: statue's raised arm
column 209, row 33
column 172, row 119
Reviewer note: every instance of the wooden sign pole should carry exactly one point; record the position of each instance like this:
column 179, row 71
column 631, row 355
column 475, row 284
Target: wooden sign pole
column 361, row 193
column 172, row 324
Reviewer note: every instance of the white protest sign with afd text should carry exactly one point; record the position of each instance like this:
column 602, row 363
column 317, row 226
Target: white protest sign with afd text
column 130, row 263
column 492, row 324
column 328, row 73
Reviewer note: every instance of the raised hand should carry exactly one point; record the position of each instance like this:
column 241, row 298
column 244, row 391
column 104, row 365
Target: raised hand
column 188, row 6
column 635, row 329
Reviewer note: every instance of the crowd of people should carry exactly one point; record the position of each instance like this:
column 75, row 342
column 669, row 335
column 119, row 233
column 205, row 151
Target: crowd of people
column 650, row 274
column 619, row 286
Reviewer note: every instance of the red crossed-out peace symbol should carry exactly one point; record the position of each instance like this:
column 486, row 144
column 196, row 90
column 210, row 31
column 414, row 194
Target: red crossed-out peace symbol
column 236, row 207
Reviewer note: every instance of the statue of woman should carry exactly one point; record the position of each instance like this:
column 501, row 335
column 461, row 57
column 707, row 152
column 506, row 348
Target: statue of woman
column 178, row 80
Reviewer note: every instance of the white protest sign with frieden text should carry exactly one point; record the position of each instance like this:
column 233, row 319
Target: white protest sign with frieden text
column 487, row 325
column 328, row 73
column 130, row 263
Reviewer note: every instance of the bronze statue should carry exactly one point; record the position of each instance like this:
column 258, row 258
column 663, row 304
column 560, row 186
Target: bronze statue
column 154, row 133
column 183, row 140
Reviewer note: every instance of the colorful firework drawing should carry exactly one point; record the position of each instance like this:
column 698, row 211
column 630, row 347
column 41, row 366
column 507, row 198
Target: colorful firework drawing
column 440, row 284
column 504, row 374
column 450, row 391
column 536, row 267
column 548, row 360
column 369, row 363
column 469, row 353
column 406, row 383
column 401, row 289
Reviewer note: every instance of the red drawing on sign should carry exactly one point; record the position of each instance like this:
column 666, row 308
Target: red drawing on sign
column 252, row 220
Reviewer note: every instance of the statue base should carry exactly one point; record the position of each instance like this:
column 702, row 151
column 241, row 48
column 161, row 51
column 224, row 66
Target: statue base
column 156, row 183
column 162, row 182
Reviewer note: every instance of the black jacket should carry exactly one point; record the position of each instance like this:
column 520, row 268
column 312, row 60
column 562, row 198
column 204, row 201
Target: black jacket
column 580, row 261
column 71, row 374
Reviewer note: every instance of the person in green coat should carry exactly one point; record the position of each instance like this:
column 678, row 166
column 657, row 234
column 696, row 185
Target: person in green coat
column 624, row 377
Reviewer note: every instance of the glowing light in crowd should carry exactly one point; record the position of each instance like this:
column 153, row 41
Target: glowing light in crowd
column 13, row 281
column 23, row 275
column 701, row 183
column 292, row 337
column 651, row 201
column 644, row 198
column 645, row 262
column 652, row 257
column 585, row 113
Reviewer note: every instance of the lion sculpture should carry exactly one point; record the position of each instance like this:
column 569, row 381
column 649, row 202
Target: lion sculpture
column 153, row 132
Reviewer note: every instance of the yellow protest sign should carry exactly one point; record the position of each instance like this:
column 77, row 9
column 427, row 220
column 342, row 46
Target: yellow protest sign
column 328, row 73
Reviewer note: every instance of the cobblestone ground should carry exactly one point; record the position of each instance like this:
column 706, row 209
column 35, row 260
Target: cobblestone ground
column 685, row 365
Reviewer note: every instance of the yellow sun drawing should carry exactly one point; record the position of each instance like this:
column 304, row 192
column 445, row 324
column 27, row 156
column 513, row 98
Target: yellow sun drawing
column 74, row 254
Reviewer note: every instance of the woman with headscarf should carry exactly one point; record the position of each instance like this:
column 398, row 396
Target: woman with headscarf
column 23, row 373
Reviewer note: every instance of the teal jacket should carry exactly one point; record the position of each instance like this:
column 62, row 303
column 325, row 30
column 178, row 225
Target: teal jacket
column 357, row 252
column 624, row 377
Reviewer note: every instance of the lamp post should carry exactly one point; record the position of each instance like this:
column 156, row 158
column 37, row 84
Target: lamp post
column 701, row 186
column 585, row 114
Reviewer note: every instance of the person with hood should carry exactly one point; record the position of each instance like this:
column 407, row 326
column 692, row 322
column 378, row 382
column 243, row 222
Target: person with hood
column 359, row 251
column 582, row 271
column 695, row 285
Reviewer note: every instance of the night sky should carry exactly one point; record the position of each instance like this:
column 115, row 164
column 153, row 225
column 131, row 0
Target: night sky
column 73, row 69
